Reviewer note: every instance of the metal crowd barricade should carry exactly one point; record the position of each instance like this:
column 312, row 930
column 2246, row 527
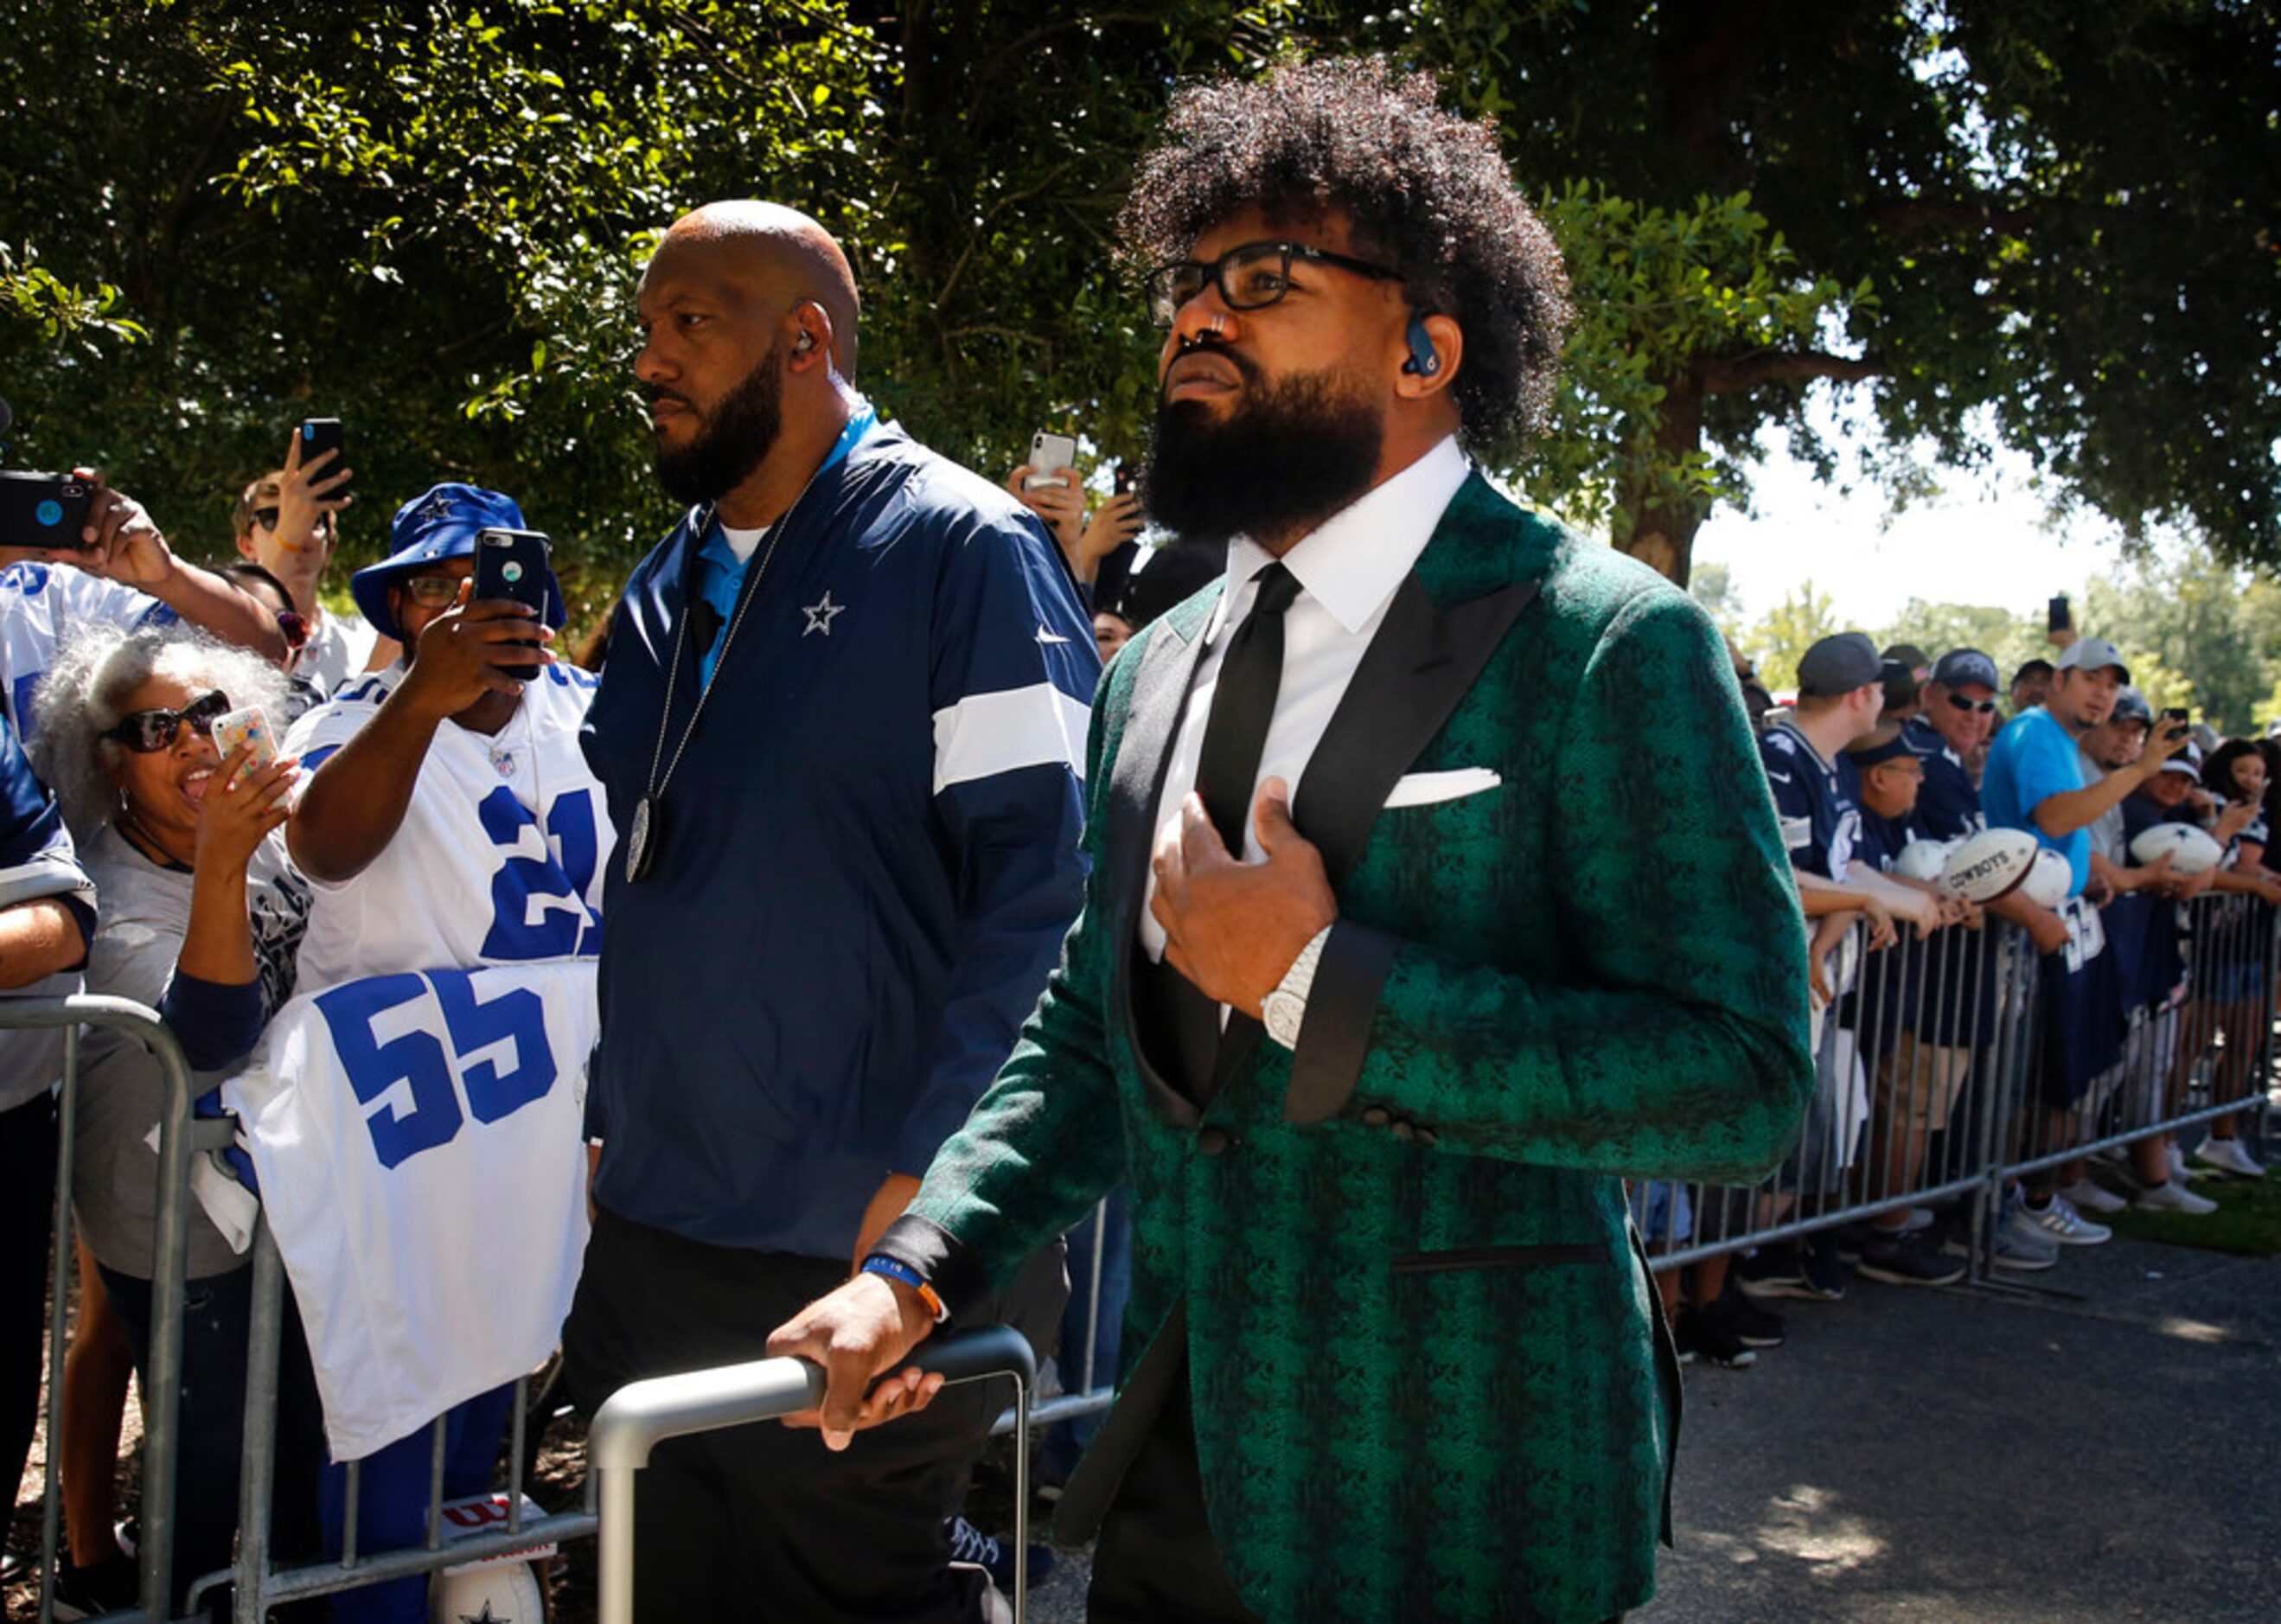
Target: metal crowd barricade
column 180, row 1137
column 1940, row 1039
column 257, row 1585
column 640, row 1416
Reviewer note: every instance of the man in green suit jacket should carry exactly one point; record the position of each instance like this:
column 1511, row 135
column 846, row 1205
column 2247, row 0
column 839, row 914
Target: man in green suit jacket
column 1377, row 1053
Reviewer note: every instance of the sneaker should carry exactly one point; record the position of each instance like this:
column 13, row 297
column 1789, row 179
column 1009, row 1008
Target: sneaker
column 1702, row 1335
column 2024, row 1248
column 2228, row 1157
column 1758, row 1327
column 1786, row 1269
column 1905, row 1260
column 2085, row 1196
column 2179, row 1171
column 2173, row 1197
column 2062, row 1223
column 993, row 1557
column 109, row 1586
column 1916, row 1219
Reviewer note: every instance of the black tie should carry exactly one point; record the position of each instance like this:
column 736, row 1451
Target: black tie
column 1235, row 733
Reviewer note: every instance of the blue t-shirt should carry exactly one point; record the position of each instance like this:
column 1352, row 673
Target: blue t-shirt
column 1820, row 821
column 1948, row 806
column 2032, row 760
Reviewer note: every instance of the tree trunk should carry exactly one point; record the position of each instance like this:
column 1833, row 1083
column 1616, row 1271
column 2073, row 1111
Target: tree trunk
column 1657, row 532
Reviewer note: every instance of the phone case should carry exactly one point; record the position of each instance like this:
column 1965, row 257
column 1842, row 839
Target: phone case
column 248, row 725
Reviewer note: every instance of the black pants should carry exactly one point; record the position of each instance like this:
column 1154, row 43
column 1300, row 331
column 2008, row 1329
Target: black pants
column 763, row 1522
column 28, row 1199
column 1157, row 1561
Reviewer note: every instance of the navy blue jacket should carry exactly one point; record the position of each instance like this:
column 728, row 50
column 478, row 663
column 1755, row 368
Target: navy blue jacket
column 865, row 862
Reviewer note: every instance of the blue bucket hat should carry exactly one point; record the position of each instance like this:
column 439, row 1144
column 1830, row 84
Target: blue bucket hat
column 442, row 523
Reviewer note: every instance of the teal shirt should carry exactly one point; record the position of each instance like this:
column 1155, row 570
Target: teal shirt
column 2032, row 760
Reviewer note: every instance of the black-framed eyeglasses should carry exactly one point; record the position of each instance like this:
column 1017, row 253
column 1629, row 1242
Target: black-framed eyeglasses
column 144, row 731
column 1985, row 706
column 1250, row 277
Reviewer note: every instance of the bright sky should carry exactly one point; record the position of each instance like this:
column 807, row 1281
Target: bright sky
column 1985, row 540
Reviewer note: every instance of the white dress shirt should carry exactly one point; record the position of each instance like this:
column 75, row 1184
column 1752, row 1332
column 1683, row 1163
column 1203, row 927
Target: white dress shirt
column 1347, row 571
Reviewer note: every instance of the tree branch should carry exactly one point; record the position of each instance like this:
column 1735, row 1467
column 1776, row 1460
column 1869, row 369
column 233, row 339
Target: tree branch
column 1732, row 375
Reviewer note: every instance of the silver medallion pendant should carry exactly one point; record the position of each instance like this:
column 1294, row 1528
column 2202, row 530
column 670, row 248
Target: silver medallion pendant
column 638, row 841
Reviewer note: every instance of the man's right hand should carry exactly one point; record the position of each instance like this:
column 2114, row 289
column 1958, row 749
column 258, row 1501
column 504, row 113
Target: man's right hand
column 2168, row 739
column 859, row 1334
column 1060, row 503
column 459, row 651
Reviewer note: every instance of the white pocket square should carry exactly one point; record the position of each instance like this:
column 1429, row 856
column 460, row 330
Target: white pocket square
column 1423, row 789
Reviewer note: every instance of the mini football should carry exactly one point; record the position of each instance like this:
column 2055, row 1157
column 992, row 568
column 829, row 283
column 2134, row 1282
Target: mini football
column 2050, row 878
column 1993, row 863
column 2190, row 850
column 1923, row 859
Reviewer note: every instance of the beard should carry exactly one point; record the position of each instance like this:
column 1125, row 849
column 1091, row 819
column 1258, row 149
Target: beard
column 1295, row 452
column 731, row 441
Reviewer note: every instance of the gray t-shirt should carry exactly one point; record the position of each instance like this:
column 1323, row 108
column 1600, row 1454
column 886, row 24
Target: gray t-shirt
column 2106, row 834
column 146, row 910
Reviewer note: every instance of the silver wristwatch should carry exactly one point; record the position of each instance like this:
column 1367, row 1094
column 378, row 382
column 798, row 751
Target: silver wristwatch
column 1286, row 1006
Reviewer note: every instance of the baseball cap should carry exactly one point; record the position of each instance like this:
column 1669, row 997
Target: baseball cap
column 2188, row 760
column 2093, row 654
column 1964, row 668
column 1839, row 664
column 1873, row 751
column 441, row 522
column 2130, row 706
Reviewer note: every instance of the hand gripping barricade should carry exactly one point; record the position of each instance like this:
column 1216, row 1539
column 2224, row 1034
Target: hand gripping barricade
column 1948, row 1065
column 513, row 1526
column 642, row 1415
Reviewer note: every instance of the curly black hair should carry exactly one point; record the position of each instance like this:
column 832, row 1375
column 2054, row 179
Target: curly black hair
column 1424, row 189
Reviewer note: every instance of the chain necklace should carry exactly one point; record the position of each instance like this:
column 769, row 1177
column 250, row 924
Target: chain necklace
column 642, row 835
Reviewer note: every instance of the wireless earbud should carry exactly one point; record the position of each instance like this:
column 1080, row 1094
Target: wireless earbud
column 807, row 342
column 1425, row 361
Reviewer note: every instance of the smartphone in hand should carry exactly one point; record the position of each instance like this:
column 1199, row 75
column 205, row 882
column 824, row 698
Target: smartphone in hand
column 324, row 434
column 43, row 510
column 248, row 725
column 513, row 565
column 1051, row 458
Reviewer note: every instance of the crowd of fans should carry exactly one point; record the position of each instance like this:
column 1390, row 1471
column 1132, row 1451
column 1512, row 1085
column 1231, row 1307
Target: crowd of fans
column 227, row 885
column 2145, row 976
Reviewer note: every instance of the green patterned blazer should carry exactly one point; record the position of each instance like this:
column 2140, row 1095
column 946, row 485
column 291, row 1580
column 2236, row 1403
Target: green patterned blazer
column 1428, row 1373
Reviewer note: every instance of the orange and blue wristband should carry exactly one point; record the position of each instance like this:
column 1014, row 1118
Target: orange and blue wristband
column 895, row 1269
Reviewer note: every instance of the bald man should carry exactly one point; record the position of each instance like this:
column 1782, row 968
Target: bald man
column 840, row 730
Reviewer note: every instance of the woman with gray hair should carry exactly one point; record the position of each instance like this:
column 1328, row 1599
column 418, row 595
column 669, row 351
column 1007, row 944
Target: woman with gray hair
column 176, row 836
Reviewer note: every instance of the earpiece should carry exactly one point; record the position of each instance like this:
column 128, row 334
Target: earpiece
column 1425, row 361
column 807, row 342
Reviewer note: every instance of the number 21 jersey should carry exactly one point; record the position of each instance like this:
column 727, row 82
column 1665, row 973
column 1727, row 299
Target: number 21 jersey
column 501, row 853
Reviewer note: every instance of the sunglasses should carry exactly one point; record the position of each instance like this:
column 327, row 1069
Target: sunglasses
column 144, row 731
column 266, row 518
column 292, row 628
column 1985, row 706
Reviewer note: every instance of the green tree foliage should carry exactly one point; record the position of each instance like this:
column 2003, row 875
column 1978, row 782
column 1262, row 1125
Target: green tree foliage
column 1777, row 642
column 2049, row 216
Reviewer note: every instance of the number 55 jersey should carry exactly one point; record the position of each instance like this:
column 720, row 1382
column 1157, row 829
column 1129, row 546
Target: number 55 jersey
column 414, row 1112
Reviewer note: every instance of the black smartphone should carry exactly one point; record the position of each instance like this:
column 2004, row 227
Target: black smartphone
column 1124, row 479
column 43, row 510
column 2058, row 616
column 324, row 434
column 2175, row 713
column 513, row 564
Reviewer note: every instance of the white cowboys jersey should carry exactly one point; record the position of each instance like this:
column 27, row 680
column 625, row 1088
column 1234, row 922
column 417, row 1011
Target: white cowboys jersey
column 501, row 854
column 40, row 607
column 419, row 1139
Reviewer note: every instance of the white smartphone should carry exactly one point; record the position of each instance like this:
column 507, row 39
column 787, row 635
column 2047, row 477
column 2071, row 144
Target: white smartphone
column 1051, row 458
column 248, row 725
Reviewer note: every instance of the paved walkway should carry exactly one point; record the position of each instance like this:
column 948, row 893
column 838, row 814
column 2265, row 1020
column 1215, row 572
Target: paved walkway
column 1937, row 1455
